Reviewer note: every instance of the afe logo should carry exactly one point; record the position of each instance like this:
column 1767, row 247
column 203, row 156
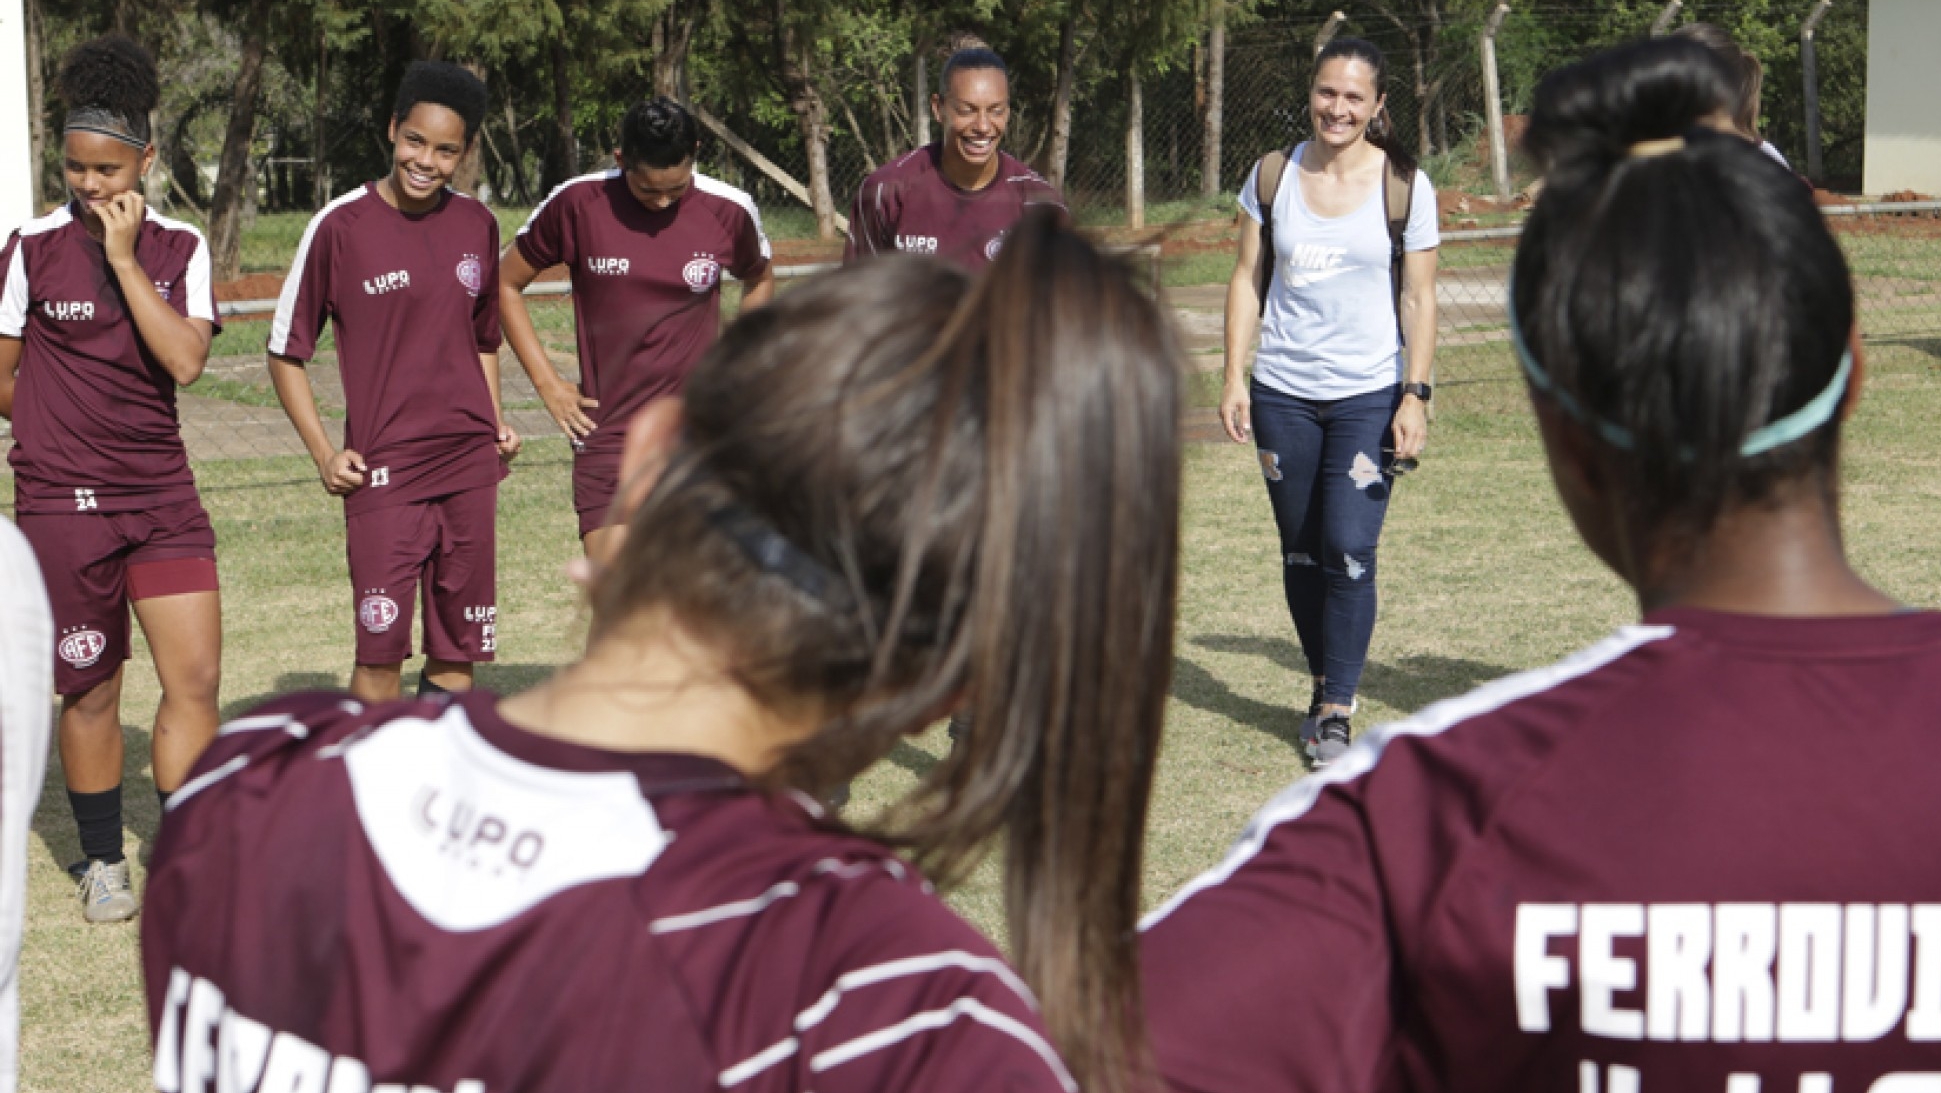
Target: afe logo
column 81, row 648
column 68, row 311
column 377, row 613
column 162, row 289
column 991, row 248
column 702, row 273
column 471, row 274
column 608, row 267
column 388, row 282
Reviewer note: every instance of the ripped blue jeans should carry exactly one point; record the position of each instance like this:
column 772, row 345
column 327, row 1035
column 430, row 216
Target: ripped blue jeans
column 1327, row 480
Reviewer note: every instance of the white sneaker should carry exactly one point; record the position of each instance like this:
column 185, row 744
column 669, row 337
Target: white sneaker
column 106, row 893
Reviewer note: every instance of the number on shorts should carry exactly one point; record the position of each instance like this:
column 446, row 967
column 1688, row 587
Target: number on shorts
column 84, row 500
column 381, row 476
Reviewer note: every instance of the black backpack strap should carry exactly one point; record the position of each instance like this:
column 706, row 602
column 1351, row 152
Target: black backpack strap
column 1267, row 185
column 1400, row 189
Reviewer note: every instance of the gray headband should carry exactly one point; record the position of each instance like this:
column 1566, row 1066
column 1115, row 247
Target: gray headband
column 107, row 123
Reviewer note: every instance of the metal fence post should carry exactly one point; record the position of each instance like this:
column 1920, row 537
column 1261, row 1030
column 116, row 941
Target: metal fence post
column 1809, row 67
column 1499, row 153
column 1665, row 18
column 1326, row 34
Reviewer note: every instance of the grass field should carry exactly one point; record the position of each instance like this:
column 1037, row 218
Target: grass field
column 1483, row 576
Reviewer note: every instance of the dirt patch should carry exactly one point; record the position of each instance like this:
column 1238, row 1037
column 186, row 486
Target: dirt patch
column 256, row 286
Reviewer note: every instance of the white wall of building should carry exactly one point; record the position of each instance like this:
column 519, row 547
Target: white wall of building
column 16, row 136
column 1903, row 91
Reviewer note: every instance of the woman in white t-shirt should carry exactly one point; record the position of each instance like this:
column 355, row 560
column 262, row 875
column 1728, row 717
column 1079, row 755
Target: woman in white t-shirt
column 1335, row 405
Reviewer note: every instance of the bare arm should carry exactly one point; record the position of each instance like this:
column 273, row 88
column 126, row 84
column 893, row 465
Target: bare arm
column 508, row 437
column 9, row 369
column 342, row 471
column 180, row 345
column 1419, row 327
column 759, row 291
column 1243, row 325
column 563, row 400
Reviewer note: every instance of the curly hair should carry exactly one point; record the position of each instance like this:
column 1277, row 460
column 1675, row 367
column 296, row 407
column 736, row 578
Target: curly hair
column 113, row 76
column 658, row 133
column 442, row 84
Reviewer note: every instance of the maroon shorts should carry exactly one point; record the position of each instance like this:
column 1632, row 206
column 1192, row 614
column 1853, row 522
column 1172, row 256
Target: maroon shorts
column 96, row 563
column 596, row 475
column 447, row 545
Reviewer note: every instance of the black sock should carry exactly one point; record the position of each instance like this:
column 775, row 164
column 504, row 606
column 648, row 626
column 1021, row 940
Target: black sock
column 98, row 815
column 427, row 687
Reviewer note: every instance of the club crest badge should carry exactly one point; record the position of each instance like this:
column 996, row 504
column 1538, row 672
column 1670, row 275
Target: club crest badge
column 81, row 648
column 991, row 248
column 471, row 274
column 701, row 273
column 162, row 289
column 377, row 613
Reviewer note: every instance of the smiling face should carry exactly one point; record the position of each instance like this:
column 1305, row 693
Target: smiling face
column 1343, row 101
column 973, row 112
column 97, row 167
column 658, row 188
column 426, row 148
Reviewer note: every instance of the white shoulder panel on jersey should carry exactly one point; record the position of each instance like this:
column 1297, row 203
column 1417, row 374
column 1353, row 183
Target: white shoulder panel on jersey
column 472, row 837
column 286, row 301
column 597, row 176
column 740, row 197
column 1294, row 802
column 15, row 294
column 197, row 281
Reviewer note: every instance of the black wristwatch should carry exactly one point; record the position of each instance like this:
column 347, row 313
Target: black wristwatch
column 1420, row 390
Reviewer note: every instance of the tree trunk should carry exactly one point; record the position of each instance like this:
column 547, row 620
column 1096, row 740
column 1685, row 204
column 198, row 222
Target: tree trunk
column 811, row 116
column 1061, row 102
column 517, row 163
column 1216, row 94
column 466, row 179
column 235, row 182
column 1422, row 104
column 673, row 35
column 320, row 126
column 36, row 110
column 565, row 158
column 1135, row 151
column 920, row 98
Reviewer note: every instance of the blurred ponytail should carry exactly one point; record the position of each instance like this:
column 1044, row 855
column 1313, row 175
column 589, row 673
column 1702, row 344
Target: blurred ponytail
column 895, row 497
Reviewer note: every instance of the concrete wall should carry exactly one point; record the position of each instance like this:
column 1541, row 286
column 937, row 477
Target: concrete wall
column 1903, row 93
column 16, row 137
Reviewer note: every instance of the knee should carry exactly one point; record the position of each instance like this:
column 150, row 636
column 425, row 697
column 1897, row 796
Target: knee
column 99, row 701
column 198, row 682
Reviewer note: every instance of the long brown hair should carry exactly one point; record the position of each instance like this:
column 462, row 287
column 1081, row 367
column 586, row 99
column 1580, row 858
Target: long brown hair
column 1746, row 68
column 898, row 494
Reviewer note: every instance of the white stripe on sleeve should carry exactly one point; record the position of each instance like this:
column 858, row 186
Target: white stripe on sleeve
column 597, row 176
column 13, row 297
column 286, row 301
column 738, row 909
column 201, row 290
column 718, row 188
column 932, row 1020
column 1294, row 802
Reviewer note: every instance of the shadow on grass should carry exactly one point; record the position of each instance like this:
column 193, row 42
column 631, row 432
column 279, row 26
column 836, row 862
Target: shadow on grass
column 1930, row 346
column 912, row 758
column 1404, row 685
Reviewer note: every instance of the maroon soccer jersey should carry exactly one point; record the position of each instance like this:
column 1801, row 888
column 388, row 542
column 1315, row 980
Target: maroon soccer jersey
column 1702, row 855
column 94, row 420
column 413, row 300
column 421, row 896
column 910, row 206
column 646, row 284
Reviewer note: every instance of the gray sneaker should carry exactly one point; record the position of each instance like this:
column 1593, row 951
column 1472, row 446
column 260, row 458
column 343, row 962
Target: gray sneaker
column 1331, row 739
column 1311, row 725
column 106, row 894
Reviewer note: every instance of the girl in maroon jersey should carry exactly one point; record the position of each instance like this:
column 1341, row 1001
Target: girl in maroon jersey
column 891, row 492
column 107, row 308
column 1699, row 854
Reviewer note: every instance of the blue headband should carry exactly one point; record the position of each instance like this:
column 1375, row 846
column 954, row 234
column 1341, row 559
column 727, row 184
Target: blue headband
column 1800, row 422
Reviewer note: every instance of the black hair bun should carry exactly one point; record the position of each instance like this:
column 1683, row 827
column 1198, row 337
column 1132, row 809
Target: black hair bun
column 111, row 73
column 1594, row 111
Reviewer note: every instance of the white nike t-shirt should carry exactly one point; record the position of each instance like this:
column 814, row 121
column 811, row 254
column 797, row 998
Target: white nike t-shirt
column 1329, row 329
